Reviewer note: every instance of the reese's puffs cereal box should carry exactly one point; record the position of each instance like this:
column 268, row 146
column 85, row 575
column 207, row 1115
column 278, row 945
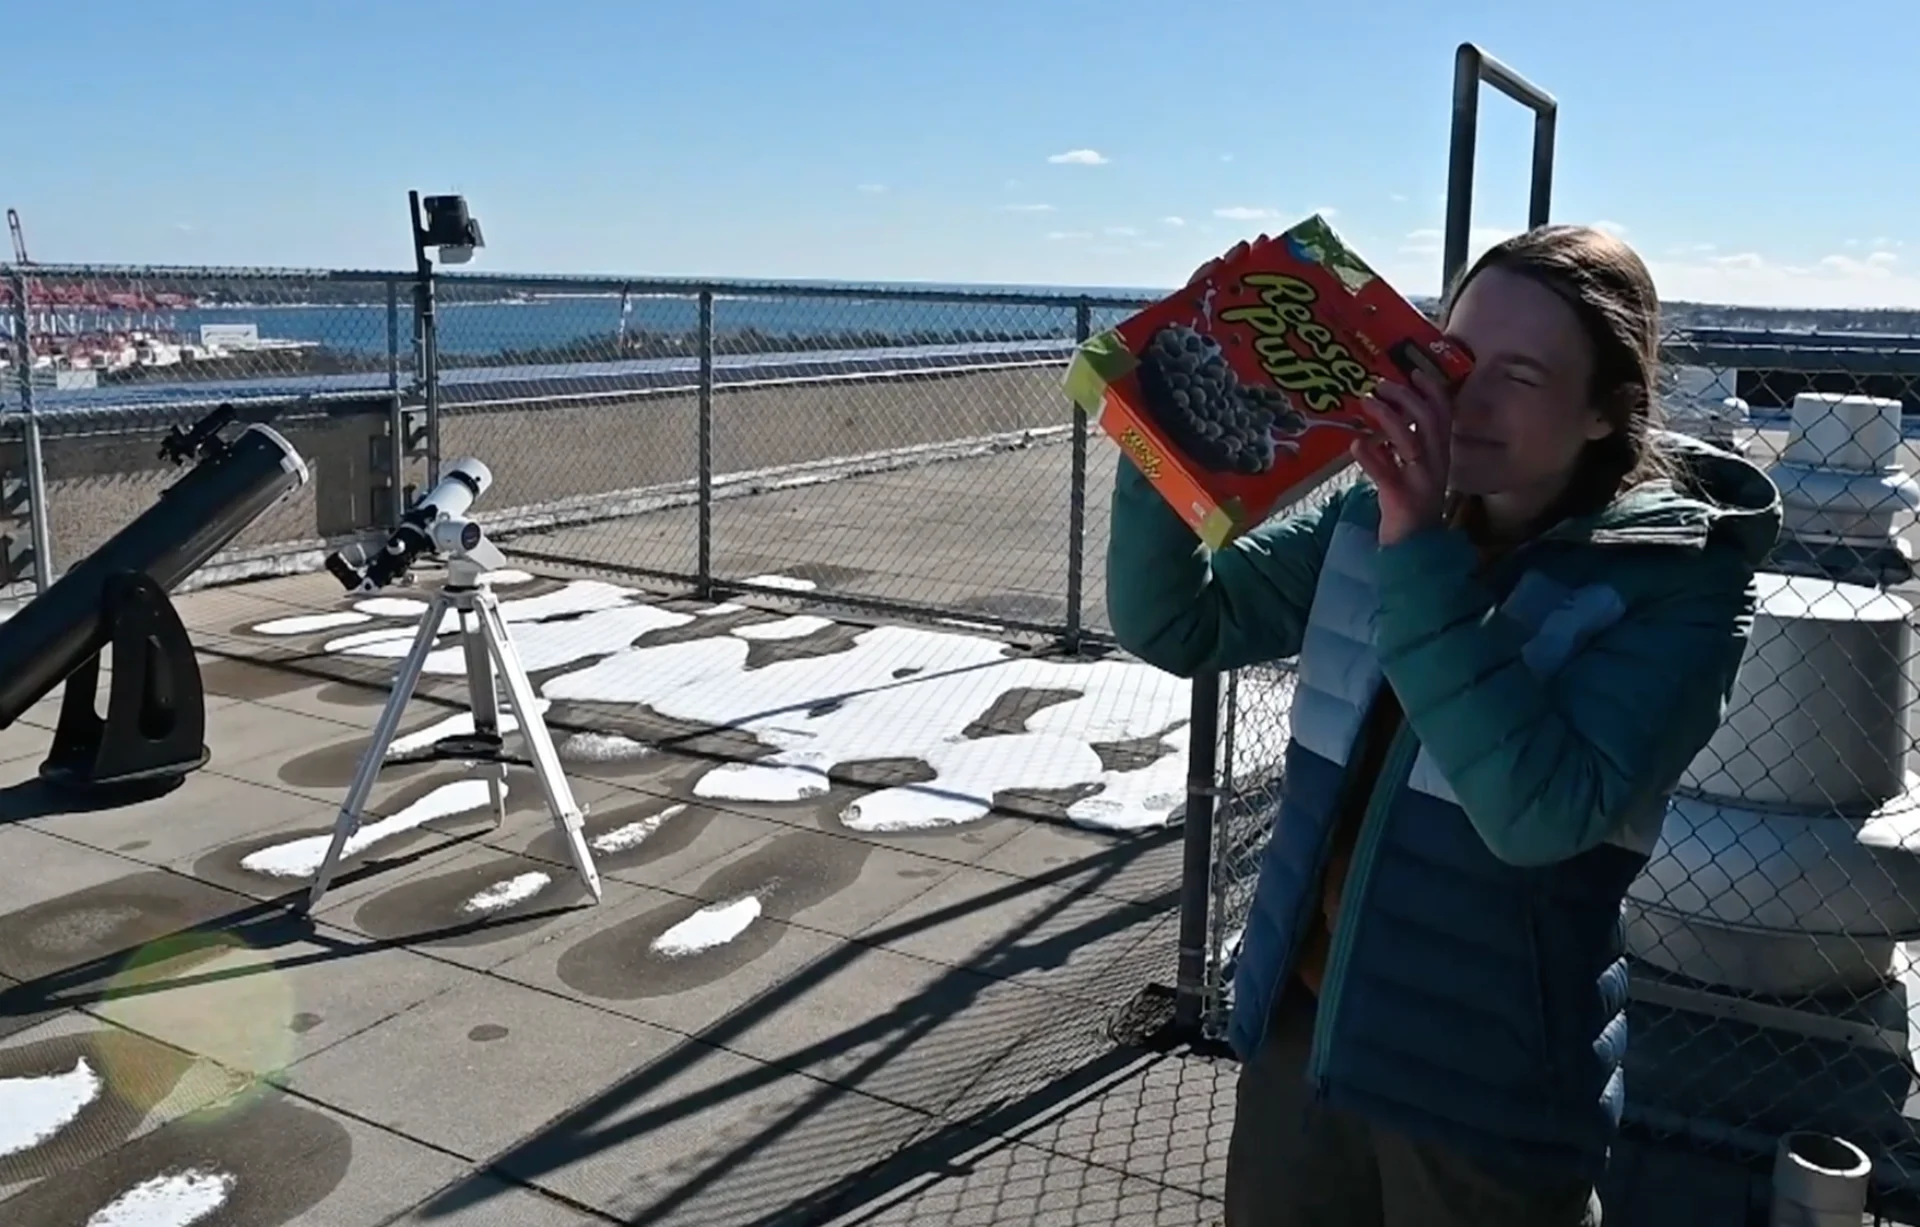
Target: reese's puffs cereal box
column 1240, row 393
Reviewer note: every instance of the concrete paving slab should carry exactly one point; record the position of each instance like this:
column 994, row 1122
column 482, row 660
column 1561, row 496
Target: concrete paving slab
column 1142, row 868
column 475, row 1070
column 78, row 913
column 943, row 1040
column 73, row 1089
column 497, row 1203
column 259, row 1006
column 264, row 1158
column 704, row 1138
column 1004, row 1182
column 1062, row 940
column 476, row 906
column 1168, row 1118
column 206, row 810
column 646, row 840
column 627, row 959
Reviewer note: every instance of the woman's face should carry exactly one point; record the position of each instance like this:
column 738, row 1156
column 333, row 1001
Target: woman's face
column 1523, row 416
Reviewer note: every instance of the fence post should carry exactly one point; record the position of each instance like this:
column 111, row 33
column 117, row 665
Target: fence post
column 1077, row 499
column 1471, row 68
column 1196, row 860
column 704, row 567
column 396, row 416
column 426, row 344
column 42, row 536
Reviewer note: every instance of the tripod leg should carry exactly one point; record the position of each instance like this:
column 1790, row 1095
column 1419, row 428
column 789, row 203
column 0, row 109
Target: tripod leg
column 567, row 818
column 484, row 700
column 383, row 732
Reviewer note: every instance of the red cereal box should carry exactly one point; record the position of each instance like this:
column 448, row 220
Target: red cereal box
column 1239, row 394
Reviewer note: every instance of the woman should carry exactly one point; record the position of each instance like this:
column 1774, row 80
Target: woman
column 1513, row 636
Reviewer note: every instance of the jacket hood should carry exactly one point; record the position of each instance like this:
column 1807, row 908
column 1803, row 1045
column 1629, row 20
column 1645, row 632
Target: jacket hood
column 1716, row 497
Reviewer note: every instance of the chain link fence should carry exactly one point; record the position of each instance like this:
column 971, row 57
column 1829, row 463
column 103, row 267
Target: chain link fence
column 911, row 453
column 102, row 363
column 1773, row 973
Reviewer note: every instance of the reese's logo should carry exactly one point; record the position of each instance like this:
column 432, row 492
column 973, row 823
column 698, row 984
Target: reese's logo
column 1323, row 375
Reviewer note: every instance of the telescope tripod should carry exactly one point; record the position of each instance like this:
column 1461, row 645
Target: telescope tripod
column 487, row 646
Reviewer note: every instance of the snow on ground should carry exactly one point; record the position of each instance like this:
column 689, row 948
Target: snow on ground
column 175, row 1199
column 504, row 894
column 711, row 926
column 301, row 858
column 32, row 1110
column 898, row 693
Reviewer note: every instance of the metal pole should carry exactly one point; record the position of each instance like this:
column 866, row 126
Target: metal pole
column 396, row 419
column 705, row 342
column 1077, row 500
column 41, row 533
column 1196, row 860
column 1471, row 68
column 426, row 329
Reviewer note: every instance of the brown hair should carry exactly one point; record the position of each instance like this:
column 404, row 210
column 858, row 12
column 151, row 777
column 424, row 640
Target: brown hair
column 1610, row 290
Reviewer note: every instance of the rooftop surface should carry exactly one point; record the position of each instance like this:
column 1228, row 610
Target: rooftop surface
column 773, row 1015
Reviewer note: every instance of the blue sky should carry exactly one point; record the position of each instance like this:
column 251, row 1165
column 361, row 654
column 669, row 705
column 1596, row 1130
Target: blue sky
column 1751, row 154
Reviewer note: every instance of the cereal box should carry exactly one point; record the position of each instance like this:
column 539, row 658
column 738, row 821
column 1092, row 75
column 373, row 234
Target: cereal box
column 1239, row 394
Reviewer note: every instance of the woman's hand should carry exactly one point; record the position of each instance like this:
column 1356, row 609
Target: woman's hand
column 1409, row 454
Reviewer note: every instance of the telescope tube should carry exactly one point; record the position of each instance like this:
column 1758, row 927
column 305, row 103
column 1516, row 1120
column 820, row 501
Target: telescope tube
column 194, row 518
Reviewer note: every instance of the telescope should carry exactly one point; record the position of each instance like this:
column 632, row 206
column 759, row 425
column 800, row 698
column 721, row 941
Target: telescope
column 434, row 525
column 118, row 596
column 438, row 526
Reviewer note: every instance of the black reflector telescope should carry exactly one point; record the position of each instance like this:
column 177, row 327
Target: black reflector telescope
column 117, row 596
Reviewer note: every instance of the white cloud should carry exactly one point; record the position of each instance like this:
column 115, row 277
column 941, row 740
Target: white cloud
column 1246, row 213
column 1028, row 208
column 1613, row 228
column 1877, row 279
column 873, row 189
column 1397, row 197
column 1174, row 221
column 1079, row 157
column 1068, row 234
column 1121, row 232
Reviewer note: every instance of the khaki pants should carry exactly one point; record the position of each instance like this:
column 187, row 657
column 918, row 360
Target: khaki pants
column 1293, row 1163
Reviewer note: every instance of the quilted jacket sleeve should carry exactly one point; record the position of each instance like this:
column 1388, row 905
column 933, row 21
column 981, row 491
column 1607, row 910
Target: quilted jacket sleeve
column 1548, row 764
column 1184, row 608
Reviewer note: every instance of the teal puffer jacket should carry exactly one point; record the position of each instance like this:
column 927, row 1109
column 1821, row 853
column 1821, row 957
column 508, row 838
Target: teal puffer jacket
column 1476, row 987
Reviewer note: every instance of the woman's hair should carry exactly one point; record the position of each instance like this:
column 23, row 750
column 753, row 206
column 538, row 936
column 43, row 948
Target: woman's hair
column 1612, row 293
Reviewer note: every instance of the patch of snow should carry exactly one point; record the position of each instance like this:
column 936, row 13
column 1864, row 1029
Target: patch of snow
column 307, row 624
column 965, row 625
column 791, row 583
column 711, row 926
column 32, row 1110
column 301, row 858
column 542, row 645
column 517, row 889
column 460, row 724
column 896, row 693
column 176, row 1199
column 955, row 680
column 603, row 748
column 507, row 576
column 391, row 607
column 633, row 834
column 755, row 782
column 724, row 607
column 796, row 627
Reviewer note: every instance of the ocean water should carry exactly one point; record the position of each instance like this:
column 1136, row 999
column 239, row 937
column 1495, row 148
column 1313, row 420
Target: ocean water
column 491, row 328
